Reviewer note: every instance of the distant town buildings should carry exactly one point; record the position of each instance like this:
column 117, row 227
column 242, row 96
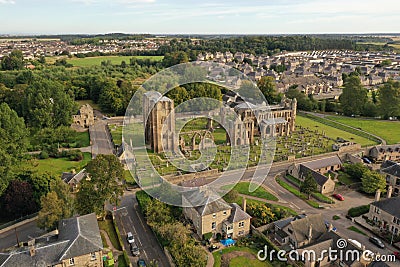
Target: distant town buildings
column 318, row 73
column 34, row 48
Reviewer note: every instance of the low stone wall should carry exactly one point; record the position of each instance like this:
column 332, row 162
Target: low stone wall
column 176, row 179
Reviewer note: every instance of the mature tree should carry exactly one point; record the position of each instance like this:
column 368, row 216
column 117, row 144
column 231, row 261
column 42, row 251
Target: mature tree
column 112, row 99
column 354, row 97
column 267, row 85
column 47, row 105
column 175, row 58
column 372, row 181
column 13, row 133
column 309, row 185
column 389, row 99
column 40, row 182
column 58, row 204
column 18, row 200
column 303, row 102
column 105, row 173
column 261, row 213
column 14, row 61
column 179, row 95
column 356, row 171
column 158, row 213
column 189, row 255
column 14, row 142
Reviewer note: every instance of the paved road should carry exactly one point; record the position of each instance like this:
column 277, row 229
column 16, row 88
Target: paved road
column 129, row 219
column 24, row 232
column 100, row 139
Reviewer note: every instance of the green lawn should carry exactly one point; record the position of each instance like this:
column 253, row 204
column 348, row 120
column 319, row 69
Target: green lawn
column 355, row 229
column 108, row 226
column 57, row 166
column 388, row 130
column 243, row 261
column 115, row 60
column 82, row 139
column 331, row 131
column 243, row 188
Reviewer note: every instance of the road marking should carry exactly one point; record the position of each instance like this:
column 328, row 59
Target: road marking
column 140, row 219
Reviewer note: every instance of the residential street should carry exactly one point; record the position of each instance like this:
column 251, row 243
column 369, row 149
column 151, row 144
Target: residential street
column 129, row 219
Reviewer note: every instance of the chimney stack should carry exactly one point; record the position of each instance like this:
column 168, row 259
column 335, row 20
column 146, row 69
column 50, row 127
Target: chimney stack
column 244, row 204
column 310, row 233
column 389, row 191
column 378, row 195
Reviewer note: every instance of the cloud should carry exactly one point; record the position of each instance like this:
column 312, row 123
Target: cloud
column 7, row 2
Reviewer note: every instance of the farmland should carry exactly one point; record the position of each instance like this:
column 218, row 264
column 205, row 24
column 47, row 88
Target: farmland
column 114, row 60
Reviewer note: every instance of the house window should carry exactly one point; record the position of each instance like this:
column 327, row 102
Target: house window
column 240, row 233
column 93, row 256
column 290, row 231
column 71, row 261
column 241, row 224
column 213, row 225
column 214, row 215
column 225, row 212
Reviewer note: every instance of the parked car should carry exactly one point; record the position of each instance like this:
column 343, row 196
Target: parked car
column 134, row 249
column 338, row 197
column 130, row 238
column 377, row 242
column 397, row 254
column 327, row 224
column 141, row 263
column 366, row 160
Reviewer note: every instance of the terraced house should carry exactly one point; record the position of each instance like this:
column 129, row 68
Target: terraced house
column 385, row 214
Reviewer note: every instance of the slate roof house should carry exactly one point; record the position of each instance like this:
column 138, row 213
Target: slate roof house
column 73, row 179
column 77, row 244
column 391, row 170
column 386, row 214
column 310, row 233
column 319, row 170
column 216, row 216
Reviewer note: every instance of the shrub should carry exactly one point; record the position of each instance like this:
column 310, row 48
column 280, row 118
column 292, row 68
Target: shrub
column 207, row 236
column 358, row 211
column 43, row 155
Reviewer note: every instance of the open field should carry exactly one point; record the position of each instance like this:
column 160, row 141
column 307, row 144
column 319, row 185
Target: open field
column 115, row 60
column 388, row 130
column 332, row 132
column 57, row 166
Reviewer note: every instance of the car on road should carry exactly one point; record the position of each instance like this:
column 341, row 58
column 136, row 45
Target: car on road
column 366, row 160
column 338, row 197
column 377, row 242
column 141, row 263
column 130, row 238
column 134, row 249
column 397, row 254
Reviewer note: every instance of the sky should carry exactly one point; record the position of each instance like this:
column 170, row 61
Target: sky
column 199, row 17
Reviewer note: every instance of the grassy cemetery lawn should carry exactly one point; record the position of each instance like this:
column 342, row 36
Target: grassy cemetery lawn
column 332, row 132
column 388, row 130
